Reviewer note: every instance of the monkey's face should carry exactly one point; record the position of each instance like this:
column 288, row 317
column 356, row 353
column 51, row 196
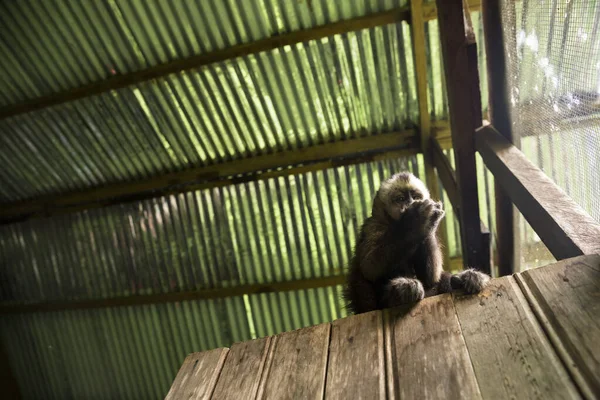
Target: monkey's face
column 398, row 193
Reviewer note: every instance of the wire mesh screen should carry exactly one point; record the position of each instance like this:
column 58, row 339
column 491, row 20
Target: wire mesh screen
column 553, row 56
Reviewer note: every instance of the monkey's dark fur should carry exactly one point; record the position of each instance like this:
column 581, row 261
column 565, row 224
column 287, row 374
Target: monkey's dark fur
column 397, row 258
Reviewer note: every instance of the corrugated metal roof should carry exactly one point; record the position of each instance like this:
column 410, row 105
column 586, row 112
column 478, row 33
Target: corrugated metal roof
column 50, row 46
column 274, row 230
column 135, row 352
column 340, row 87
column 279, row 229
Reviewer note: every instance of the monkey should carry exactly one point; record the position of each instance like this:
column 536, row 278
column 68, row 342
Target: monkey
column 397, row 258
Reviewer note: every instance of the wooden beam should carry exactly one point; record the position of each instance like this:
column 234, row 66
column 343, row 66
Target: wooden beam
column 564, row 227
column 8, row 382
column 430, row 9
column 448, row 178
column 175, row 297
column 498, row 105
column 241, row 50
column 419, row 45
column 293, row 161
column 464, row 100
column 446, row 173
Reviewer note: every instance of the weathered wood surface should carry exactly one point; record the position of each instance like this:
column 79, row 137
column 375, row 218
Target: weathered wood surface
column 498, row 109
column 198, row 375
column 464, row 105
column 511, row 355
column 426, row 353
column 566, row 296
column 419, row 45
column 297, row 365
column 531, row 335
column 564, row 227
column 356, row 368
column 242, row 370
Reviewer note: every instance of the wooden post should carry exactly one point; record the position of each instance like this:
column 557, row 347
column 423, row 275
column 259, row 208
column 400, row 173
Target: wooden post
column 8, row 383
column 419, row 45
column 464, row 100
column 500, row 118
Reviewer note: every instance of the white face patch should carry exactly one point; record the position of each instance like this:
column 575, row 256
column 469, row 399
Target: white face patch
column 398, row 183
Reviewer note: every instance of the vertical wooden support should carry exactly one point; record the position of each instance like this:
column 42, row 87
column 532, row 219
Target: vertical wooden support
column 419, row 45
column 500, row 118
column 8, row 383
column 464, row 100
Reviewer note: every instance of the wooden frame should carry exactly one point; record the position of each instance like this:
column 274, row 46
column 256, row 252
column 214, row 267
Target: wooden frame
column 564, row 227
column 419, row 45
column 174, row 297
column 462, row 82
column 314, row 158
column 499, row 115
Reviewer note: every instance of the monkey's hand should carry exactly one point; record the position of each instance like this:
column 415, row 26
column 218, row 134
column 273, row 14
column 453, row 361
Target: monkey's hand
column 403, row 291
column 426, row 214
column 470, row 280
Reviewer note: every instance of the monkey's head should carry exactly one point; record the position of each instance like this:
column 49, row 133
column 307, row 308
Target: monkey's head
column 396, row 194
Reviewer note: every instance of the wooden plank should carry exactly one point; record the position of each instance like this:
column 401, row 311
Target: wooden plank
column 356, row 368
column 241, row 50
column 211, row 175
column 498, row 108
column 137, row 300
column 297, row 365
column 430, row 9
column 464, row 101
column 198, row 375
column 564, row 227
column 419, row 45
column 440, row 130
column 8, row 382
column 426, row 356
column 242, row 370
column 446, row 173
column 448, row 178
column 565, row 298
column 510, row 353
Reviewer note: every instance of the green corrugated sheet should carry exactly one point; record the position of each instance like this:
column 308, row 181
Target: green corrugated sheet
column 282, row 229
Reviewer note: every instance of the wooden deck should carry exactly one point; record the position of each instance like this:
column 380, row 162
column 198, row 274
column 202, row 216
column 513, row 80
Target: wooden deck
column 530, row 335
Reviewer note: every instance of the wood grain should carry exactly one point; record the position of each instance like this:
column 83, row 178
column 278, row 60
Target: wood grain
column 566, row 299
column 426, row 356
column 136, row 300
column 564, row 227
column 430, row 9
column 419, row 45
column 510, row 353
column 198, row 375
column 464, row 104
column 356, row 367
column 242, row 370
column 297, row 365
column 498, row 109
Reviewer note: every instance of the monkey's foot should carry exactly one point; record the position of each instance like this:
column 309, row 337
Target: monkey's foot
column 470, row 280
column 404, row 291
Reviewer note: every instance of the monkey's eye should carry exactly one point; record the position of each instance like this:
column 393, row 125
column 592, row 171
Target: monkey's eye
column 399, row 199
column 416, row 195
